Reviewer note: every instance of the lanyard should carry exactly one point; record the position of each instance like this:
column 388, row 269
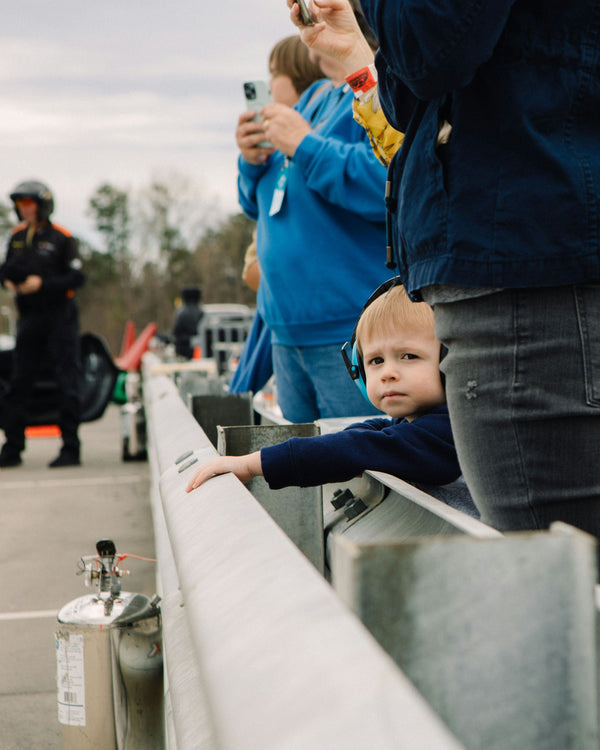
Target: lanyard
column 322, row 112
column 280, row 185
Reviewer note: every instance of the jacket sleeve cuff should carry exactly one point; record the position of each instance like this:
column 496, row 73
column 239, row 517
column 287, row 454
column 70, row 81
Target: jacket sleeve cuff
column 276, row 462
column 251, row 171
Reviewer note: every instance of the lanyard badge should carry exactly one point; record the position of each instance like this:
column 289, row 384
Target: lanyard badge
column 280, row 186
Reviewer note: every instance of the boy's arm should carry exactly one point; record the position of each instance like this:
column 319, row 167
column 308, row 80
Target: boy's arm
column 419, row 451
column 244, row 467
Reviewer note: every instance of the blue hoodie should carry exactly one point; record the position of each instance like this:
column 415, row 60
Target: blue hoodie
column 323, row 253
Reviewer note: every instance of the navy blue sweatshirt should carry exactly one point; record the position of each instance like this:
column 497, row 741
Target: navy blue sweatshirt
column 418, row 451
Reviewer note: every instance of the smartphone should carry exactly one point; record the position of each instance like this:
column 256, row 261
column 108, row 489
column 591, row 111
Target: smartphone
column 307, row 19
column 258, row 95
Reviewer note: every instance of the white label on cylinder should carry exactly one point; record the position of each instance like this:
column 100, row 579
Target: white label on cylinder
column 70, row 679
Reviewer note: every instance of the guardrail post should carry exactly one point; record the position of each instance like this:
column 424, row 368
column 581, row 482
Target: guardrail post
column 297, row 510
column 227, row 409
column 198, row 384
column 498, row 635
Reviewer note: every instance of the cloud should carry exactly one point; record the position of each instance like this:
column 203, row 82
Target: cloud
column 120, row 92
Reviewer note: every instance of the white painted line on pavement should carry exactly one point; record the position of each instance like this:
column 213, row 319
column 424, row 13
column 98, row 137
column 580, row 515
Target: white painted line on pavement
column 39, row 614
column 81, row 482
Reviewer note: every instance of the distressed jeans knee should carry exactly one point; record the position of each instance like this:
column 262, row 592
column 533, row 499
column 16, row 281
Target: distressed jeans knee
column 523, row 386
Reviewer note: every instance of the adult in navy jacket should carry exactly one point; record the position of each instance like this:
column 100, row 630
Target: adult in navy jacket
column 496, row 198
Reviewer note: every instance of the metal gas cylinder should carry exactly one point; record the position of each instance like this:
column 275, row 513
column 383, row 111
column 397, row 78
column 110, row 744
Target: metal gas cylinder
column 109, row 664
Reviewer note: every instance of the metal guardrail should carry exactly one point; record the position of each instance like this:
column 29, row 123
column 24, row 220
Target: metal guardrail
column 499, row 633
column 259, row 651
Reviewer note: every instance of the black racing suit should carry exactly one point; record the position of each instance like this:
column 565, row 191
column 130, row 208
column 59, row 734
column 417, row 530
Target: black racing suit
column 47, row 330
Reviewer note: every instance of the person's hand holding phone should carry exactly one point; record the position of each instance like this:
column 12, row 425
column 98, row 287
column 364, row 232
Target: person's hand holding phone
column 248, row 134
column 335, row 32
column 304, row 10
column 284, row 127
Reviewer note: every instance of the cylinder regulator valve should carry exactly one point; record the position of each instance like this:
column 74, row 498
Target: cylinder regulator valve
column 103, row 571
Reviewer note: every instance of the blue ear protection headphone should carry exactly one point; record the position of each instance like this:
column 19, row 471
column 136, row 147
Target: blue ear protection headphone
column 350, row 354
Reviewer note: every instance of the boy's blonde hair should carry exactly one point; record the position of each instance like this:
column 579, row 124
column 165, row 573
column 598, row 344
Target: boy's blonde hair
column 391, row 311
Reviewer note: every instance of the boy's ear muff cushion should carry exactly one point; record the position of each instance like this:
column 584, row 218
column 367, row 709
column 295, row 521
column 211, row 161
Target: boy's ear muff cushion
column 354, row 365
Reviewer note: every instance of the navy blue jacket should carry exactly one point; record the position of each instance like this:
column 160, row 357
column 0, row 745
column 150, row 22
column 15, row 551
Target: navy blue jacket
column 418, row 451
column 512, row 199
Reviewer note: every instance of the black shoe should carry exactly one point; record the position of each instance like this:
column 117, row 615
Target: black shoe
column 65, row 458
column 9, row 458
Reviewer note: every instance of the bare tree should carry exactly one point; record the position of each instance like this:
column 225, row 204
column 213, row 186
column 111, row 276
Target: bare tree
column 171, row 214
column 156, row 242
column 219, row 260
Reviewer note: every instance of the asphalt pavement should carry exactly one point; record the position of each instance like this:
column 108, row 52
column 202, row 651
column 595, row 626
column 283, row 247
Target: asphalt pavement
column 49, row 519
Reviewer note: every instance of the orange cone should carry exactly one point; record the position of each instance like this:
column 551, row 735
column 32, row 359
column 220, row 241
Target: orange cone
column 131, row 360
column 128, row 338
column 42, row 430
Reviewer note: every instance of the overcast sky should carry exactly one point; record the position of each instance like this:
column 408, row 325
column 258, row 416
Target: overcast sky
column 124, row 92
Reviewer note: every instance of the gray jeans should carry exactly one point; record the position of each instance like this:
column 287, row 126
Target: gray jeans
column 523, row 390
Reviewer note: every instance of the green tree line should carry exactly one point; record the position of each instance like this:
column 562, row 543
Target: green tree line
column 150, row 246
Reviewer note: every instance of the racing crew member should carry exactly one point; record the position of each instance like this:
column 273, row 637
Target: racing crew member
column 42, row 269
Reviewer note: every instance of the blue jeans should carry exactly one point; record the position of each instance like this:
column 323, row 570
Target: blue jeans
column 523, row 390
column 312, row 383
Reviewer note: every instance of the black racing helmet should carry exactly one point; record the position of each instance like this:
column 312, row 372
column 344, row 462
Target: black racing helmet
column 40, row 193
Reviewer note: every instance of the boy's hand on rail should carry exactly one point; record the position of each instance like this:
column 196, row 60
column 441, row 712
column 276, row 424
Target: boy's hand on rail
column 245, row 468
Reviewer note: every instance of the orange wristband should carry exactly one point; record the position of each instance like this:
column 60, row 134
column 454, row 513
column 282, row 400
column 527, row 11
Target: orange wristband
column 362, row 80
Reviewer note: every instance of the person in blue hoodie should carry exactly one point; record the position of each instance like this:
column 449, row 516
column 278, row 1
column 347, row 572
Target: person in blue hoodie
column 396, row 357
column 495, row 206
column 318, row 199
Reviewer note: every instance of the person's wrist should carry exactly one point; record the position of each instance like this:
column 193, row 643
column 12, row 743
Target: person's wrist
column 254, row 465
column 361, row 56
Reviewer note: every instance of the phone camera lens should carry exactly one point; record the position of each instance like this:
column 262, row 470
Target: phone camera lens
column 250, row 90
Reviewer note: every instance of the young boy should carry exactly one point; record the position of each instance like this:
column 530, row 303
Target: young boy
column 400, row 356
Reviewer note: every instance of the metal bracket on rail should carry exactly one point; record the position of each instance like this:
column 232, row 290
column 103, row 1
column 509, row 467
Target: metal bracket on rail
column 358, row 496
